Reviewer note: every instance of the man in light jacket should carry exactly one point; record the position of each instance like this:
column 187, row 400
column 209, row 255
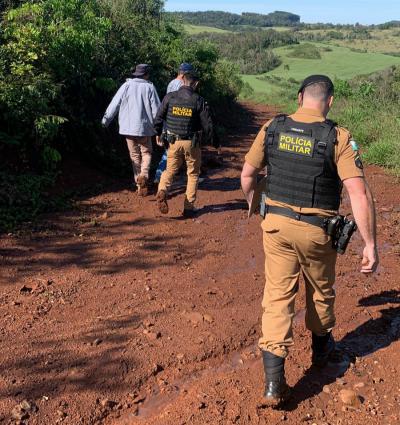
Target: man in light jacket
column 137, row 103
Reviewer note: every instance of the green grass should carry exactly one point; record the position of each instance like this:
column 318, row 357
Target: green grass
column 341, row 63
column 279, row 29
column 197, row 29
column 381, row 41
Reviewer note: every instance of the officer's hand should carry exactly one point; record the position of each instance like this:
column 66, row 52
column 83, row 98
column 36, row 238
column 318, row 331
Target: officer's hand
column 370, row 260
column 159, row 141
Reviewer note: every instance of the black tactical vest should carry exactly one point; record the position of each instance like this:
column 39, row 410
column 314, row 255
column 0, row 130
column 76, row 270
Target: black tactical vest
column 301, row 168
column 182, row 116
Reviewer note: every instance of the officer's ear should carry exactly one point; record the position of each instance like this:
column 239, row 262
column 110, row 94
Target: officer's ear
column 330, row 101
column 300, row 99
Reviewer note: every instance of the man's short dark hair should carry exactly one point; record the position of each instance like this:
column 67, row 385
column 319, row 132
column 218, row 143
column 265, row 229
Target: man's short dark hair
column 190, row 77
column 319, row 91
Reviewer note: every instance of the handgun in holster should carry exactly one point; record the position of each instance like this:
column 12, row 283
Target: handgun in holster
column 168, row 138
column 340, row 229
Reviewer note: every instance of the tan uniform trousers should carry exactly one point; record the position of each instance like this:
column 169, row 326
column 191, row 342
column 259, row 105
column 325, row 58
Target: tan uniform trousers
column 291, row 246
column 140, row 150
column 178, row 152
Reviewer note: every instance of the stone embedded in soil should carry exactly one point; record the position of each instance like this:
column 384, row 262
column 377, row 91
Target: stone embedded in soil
column 25, row 289
column 108, row 404
column 208, row 318
column 21, row 411
column 152, row 335
column 138, row 398
column 97, row 341
column 61, row 414
column 359, row 385
column 326, row 389
column 195, row 317
column 157, row 368
column 349, row 397
column 19, row 414
column 307, row 418
column 148, row 323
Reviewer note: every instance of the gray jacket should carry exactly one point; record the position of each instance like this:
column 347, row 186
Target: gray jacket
column 137, row 102
column 174, row 85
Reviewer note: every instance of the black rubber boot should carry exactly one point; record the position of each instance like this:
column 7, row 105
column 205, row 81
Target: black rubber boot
column 322, row 348
column 276, row 389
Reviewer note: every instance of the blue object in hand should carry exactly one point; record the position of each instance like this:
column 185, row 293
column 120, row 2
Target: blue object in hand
column 161, row 167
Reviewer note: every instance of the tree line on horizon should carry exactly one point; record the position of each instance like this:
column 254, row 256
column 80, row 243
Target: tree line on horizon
column 239, row 22
column 226, row 19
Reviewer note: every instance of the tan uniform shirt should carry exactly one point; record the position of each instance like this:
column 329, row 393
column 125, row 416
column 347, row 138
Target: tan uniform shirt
column 344, row 156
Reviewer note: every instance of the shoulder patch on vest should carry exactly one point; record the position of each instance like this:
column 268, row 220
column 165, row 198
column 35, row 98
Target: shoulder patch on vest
column 354, row 145
column 297, row 144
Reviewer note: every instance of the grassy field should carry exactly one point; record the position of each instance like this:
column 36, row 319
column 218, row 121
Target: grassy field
column 197, row 29
column 381, row 41
column 341, row 63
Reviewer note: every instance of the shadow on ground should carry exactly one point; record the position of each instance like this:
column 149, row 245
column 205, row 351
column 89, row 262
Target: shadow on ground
column 366, row 339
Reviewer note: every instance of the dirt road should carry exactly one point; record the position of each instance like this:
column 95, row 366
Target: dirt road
column 113, row 314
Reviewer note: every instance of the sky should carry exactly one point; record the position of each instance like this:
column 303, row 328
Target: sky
column 334, row 11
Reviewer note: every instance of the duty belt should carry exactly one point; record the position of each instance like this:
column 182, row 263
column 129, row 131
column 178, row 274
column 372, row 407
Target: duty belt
column 315, row 220
column 178, row 137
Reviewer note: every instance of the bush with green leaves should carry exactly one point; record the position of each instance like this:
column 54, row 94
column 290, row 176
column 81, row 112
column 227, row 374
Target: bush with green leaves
column 251, row 52
column 305, row 51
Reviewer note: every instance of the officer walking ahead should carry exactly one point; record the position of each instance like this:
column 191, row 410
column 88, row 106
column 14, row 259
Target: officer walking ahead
column 174, row 85
column 186, row 114
column 308, row 159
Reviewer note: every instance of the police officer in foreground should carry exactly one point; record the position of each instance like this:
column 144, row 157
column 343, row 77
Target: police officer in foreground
column 186, row 116
column 308, row 159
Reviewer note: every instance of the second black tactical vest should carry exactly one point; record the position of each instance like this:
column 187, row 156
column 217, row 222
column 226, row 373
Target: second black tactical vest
column 182, row 116
column 301, row 168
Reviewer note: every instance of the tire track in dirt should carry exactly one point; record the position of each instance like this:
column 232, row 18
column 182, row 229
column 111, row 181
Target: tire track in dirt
column 114, row 314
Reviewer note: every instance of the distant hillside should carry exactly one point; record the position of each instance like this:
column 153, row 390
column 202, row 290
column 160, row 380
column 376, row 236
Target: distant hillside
column 226, row 19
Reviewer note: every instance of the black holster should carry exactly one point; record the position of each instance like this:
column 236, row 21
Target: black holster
column 168, row 138
column 340, row 229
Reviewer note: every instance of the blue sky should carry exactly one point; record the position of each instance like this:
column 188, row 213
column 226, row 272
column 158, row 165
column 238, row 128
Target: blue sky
column 335, row 11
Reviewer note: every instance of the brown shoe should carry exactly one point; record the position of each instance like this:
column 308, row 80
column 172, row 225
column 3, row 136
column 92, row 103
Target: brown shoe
column 143, row 189
column 162, row 202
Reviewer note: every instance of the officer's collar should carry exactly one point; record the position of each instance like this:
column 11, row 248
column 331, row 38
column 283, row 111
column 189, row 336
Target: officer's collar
column 186, row 88
column 310, row 112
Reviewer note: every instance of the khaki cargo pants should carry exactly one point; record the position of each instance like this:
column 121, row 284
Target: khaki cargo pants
column 178, row 152
column 140, row 150
column 291, row 246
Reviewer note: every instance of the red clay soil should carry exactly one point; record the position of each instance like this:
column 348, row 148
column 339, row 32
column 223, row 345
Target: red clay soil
column 113, row 314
